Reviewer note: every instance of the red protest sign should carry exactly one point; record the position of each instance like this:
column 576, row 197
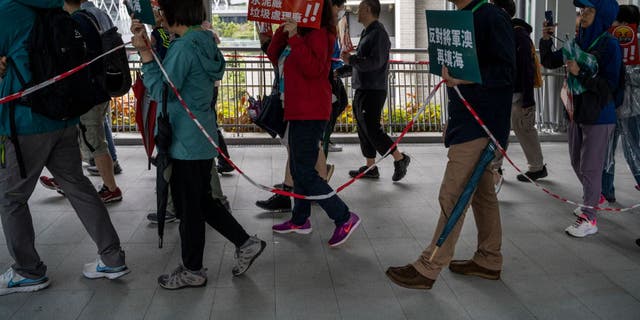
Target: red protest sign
column 307, row 13
column 627, row 35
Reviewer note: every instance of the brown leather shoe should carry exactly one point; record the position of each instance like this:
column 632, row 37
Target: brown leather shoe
column 409, row 277
column 470, row 268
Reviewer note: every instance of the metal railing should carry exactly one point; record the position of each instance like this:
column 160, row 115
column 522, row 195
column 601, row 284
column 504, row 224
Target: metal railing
column 250, row 73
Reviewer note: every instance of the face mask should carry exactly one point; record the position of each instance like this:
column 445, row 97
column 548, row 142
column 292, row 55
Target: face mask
column 341, row 14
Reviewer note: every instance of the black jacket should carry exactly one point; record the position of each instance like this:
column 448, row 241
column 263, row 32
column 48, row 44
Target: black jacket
column 495, row 46
column 371, row 61
column 525, row 63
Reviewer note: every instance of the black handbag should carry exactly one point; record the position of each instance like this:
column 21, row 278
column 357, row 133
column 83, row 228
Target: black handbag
column 271, row 115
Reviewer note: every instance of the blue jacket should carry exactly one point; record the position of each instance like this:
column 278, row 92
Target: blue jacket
column 609, row 56
column 193, row 63
column 496, row 49
column 16, row 21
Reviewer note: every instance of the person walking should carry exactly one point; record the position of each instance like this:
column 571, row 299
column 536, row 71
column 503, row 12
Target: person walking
column 370, row 79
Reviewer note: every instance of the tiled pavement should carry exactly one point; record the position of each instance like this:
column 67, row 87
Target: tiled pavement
column 546, row 275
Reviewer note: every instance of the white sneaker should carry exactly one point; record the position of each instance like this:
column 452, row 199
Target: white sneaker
column 582, row 228
column 12, row 282
column 98, row 269
column 499, row 181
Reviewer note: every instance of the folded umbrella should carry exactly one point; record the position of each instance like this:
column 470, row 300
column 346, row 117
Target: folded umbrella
column 485, row 158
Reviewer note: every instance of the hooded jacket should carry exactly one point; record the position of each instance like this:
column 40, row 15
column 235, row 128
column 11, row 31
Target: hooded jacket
column 609, row 55
column 194, row 63
column 307, row 91
column 16, row 20
column 525, row 64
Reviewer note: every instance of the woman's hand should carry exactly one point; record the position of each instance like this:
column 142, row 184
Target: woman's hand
column 573, row 67
column 139, row 39
column 291, row 27
column 548, row 30
column 3, row 66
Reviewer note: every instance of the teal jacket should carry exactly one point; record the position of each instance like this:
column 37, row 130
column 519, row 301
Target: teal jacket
column 16, row 21
column 194, row 63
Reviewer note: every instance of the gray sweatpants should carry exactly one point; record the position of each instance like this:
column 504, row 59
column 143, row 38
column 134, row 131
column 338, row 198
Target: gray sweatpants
column 587, row 149
column 60, row 153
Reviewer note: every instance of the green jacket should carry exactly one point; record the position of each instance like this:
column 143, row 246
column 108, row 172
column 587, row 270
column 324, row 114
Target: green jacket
column 16, row 21
column 194, row 63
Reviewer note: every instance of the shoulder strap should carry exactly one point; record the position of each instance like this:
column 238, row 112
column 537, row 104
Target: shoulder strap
column 479, row 5
column 91, row 18
column 597, row 40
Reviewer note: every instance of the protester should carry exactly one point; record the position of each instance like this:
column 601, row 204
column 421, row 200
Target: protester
column 628, row 114
column 523, row 109
column 466, row 141
column 303, row 56
column 339, row 99
column 44, row 143
column 160, row 40
column 92, row 137
column 193, row 63
column 370, row 78
column 593, row 117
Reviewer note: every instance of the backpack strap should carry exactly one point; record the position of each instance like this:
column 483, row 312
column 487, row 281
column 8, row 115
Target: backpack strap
column 91, row 18
column 12, row 124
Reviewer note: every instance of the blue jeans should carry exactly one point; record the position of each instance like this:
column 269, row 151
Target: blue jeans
column 304, row 137
column 629, row 129
column 109, row 136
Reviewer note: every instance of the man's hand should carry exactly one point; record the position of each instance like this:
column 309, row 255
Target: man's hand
column 451, row 81
column 573, row 67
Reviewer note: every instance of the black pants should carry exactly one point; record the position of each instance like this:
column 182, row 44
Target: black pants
column 191, row 192
column 367, row 106
column 303, row 146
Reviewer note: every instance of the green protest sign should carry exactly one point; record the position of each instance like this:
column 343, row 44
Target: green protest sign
column 452, row 43
column 141, row 10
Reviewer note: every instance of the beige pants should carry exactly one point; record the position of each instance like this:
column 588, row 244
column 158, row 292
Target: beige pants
column 462, row 161
column 523, row 123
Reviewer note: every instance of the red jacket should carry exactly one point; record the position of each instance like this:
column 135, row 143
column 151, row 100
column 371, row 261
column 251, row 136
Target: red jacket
column 307, row 91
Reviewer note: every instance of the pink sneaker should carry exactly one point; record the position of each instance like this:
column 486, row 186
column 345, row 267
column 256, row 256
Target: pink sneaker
column 343, row 232
column 289, row 227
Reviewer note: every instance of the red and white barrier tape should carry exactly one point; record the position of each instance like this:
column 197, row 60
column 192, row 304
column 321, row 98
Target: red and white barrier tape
column 275, row 190
column 66, row 74
column 504, row 154
column 57, row 78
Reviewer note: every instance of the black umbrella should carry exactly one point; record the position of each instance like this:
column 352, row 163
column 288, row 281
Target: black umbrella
column 163, row 162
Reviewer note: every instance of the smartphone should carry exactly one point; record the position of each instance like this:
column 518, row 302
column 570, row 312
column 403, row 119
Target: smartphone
column 548, row 16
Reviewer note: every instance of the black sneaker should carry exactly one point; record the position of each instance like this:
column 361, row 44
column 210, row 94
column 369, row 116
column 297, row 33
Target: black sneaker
column 534, row 175
column 169, row 217
column 401, row 167
column 224, row 166
column 93, row 170
column 638, row 242
column 277, row 203
column 372, row 174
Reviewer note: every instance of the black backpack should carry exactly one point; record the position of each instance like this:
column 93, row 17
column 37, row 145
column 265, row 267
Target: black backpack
column 55, row 46
column 117, row 77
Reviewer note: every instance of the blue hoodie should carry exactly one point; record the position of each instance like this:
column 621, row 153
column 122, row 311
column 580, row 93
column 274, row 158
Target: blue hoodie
column 194, row 63
column 16, row 21
column 610, row 58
